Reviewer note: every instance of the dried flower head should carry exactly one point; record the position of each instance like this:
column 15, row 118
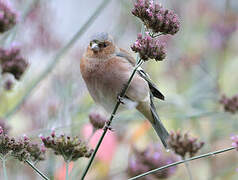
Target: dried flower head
column 230, row 104
column 183, row 144
column 97, row 120
column 71, row 148
column 149, row 48
column 8, row 17
column 235, row 141
column 12, row 62
column 155, row 17
column 151, row 158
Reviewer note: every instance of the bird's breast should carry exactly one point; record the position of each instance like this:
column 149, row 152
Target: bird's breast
column 103, row 83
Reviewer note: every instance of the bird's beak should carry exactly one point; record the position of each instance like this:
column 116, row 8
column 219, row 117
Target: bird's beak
column 95, row 47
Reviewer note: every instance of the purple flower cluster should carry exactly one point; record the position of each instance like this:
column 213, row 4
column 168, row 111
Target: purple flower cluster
column 21, row 149
column 12, row 62
column 97, row 120
column 8, row 18
column 183, row 144
column 70, row 148
column 149, row 48
column 155, row 17
column 235, row 141
column 230, row 104
column 149, row 159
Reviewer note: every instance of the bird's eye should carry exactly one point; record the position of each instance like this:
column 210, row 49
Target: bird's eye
column 105, row 44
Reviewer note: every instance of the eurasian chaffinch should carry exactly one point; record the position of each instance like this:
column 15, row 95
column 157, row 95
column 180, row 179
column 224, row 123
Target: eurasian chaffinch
column 106, row 69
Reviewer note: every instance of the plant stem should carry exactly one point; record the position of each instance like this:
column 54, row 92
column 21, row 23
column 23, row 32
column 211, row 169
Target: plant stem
column 58, row 56
column 122, row 94
column 188, row 170
column 37, row 170
column 67, row 171
column 183, row 161
column 4, row 169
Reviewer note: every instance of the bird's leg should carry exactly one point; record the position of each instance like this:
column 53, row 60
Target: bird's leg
column 108, row 126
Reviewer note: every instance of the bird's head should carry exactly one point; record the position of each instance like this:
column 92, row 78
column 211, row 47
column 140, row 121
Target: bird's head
column 101, row 46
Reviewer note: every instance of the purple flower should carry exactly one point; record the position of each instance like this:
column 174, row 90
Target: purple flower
column 22, row 149
column 69, row 148
column 156, row 18
column 149, row 48
column 230, row 104
column 183, row 144
column 98, row 120
column 152, row 157
column 12, row 62
column 8, row 17
column 235, row 141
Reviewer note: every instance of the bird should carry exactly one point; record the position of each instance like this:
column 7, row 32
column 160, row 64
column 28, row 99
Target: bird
column 106, row 69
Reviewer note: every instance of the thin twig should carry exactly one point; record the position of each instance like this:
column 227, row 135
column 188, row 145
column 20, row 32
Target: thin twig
column 183, row 161
column 37, row 170
column 58, row 56
column 122, row 94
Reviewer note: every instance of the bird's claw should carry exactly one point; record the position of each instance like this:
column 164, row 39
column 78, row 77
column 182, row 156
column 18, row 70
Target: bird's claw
column 121, row 99
column 108, row 126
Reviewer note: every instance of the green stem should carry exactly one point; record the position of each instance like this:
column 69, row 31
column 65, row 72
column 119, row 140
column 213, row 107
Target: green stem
column 58, row 56
column 122, row 94
column 37, row 170
column 4, row 169
column 67, row 171
column 183, row 161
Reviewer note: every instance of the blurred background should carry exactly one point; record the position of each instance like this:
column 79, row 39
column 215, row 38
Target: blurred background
column 200, row 67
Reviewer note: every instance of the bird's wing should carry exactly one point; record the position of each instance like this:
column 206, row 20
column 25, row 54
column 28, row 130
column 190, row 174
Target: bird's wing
column 124, row 54
column 156, row 93
column 154, row 90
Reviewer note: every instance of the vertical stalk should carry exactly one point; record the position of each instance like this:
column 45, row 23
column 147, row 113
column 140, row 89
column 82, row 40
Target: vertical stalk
column 4, row 169
column 67, row 171
column 188, row 170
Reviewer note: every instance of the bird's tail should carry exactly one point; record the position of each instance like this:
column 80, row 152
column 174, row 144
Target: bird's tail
column 158, row 126
column 149, row 111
